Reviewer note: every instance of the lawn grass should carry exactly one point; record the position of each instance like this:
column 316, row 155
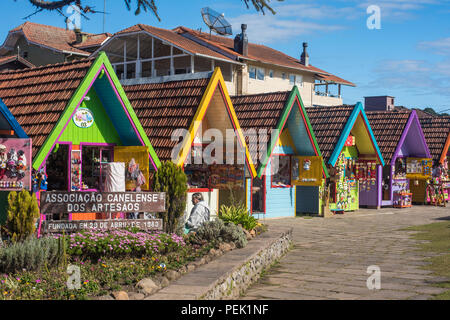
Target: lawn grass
column 438, row 240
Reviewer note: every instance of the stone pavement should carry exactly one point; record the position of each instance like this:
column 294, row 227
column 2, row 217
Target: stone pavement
column 330, row 257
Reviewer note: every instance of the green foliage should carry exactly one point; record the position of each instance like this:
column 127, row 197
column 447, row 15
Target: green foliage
column 31, row 254
column 22, row 213
column 172, row 180
column 238, row 214
column 219, row 231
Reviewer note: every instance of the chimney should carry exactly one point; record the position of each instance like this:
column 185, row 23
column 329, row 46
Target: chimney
column 379, row 103
column 241, row 41
column 79, row 36
column 304, row 59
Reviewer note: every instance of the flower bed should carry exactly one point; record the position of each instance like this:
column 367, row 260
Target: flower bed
column 121, row 242
column 108, row 261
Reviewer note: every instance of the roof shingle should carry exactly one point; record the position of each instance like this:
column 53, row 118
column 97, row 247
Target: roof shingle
column 38, row 96
column 165, row 107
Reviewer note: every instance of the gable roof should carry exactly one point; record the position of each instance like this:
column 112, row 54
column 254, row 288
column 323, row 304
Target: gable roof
column 437, row 135
column 172, row 37
column 19, row 59
column 256, row 52
column 266, row 112
column 166, row 106
column 54, row 38
column 44, row 99
column 390, row 128
column 332, row 126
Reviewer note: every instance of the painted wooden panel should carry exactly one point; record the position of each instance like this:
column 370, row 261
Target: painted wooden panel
column 280, row 202
column 100, row 132
column 307, row 199
column 299, row 133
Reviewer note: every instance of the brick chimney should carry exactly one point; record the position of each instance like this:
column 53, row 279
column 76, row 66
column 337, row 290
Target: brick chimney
column 80, row 37
column 304, row 59
column 241, row 41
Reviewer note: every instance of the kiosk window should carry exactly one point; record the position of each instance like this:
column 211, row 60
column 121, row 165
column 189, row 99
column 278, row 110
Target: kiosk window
column 282, row 176
column 92, row 159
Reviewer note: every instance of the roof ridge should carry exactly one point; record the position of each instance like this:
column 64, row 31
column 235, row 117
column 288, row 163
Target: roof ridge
column 48, row 66
column 262, row 94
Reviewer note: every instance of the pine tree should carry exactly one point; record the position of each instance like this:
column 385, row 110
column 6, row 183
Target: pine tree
column 172, row 180
column 22, row 213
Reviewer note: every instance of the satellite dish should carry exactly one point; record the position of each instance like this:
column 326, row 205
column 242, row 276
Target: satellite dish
column 216, row 21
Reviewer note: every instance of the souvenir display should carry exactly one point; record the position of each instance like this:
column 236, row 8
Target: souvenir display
column 418, row 168
column 75, row 164
column 366, row 174
column 402, row 199
column 214, row 176
column 14, row 170
column 345, row 193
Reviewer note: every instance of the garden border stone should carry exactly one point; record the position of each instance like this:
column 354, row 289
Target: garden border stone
column 229, row 275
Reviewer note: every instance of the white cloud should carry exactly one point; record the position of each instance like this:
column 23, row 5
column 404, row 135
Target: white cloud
column 440, row 46
column 418, row 77
column 292, row 20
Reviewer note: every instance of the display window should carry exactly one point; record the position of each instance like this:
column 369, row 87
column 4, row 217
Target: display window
column 57, row 168
column 400, row 168
column 282, row 177
column 92, row 173
column 258, row 200
column 223, row 177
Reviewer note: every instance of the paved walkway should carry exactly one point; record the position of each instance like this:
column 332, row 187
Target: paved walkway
column 330, row 257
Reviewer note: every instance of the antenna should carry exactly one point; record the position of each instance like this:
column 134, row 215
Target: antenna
column 104, row 15
column 216, row 21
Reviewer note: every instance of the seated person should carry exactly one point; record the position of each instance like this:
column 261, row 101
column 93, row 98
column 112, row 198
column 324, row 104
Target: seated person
column 199, row 214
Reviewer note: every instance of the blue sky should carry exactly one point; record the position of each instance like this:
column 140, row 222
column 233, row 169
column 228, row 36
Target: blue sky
column 409, row 57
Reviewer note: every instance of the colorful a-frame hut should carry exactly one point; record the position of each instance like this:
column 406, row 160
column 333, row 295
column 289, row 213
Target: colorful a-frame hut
column 185, row 120
column 78, row 117
column 350, row 152
column 437, row 135
column 283, row 145
column 402, row 142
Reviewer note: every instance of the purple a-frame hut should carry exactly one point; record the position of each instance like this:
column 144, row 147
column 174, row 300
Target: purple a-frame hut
column 402, row 143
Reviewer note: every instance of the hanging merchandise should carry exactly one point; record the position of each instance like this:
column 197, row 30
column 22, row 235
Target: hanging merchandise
column 21, row 164
column 75, row 163
column 346, row 184
column 419, row 168
column 3, row 161
column 14, row 171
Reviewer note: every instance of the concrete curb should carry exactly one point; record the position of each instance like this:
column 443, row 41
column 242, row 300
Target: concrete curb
column 231, row 274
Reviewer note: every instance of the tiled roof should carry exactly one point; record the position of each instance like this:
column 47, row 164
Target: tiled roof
column 56, row 38
column 38, row 96
column 388, row 127
column 176, row 39
column 436, row 131
column 328, row 124
column 259, row 112
column 258, row 52
column 164, row 107
column 5, row 60
column 93, row 40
